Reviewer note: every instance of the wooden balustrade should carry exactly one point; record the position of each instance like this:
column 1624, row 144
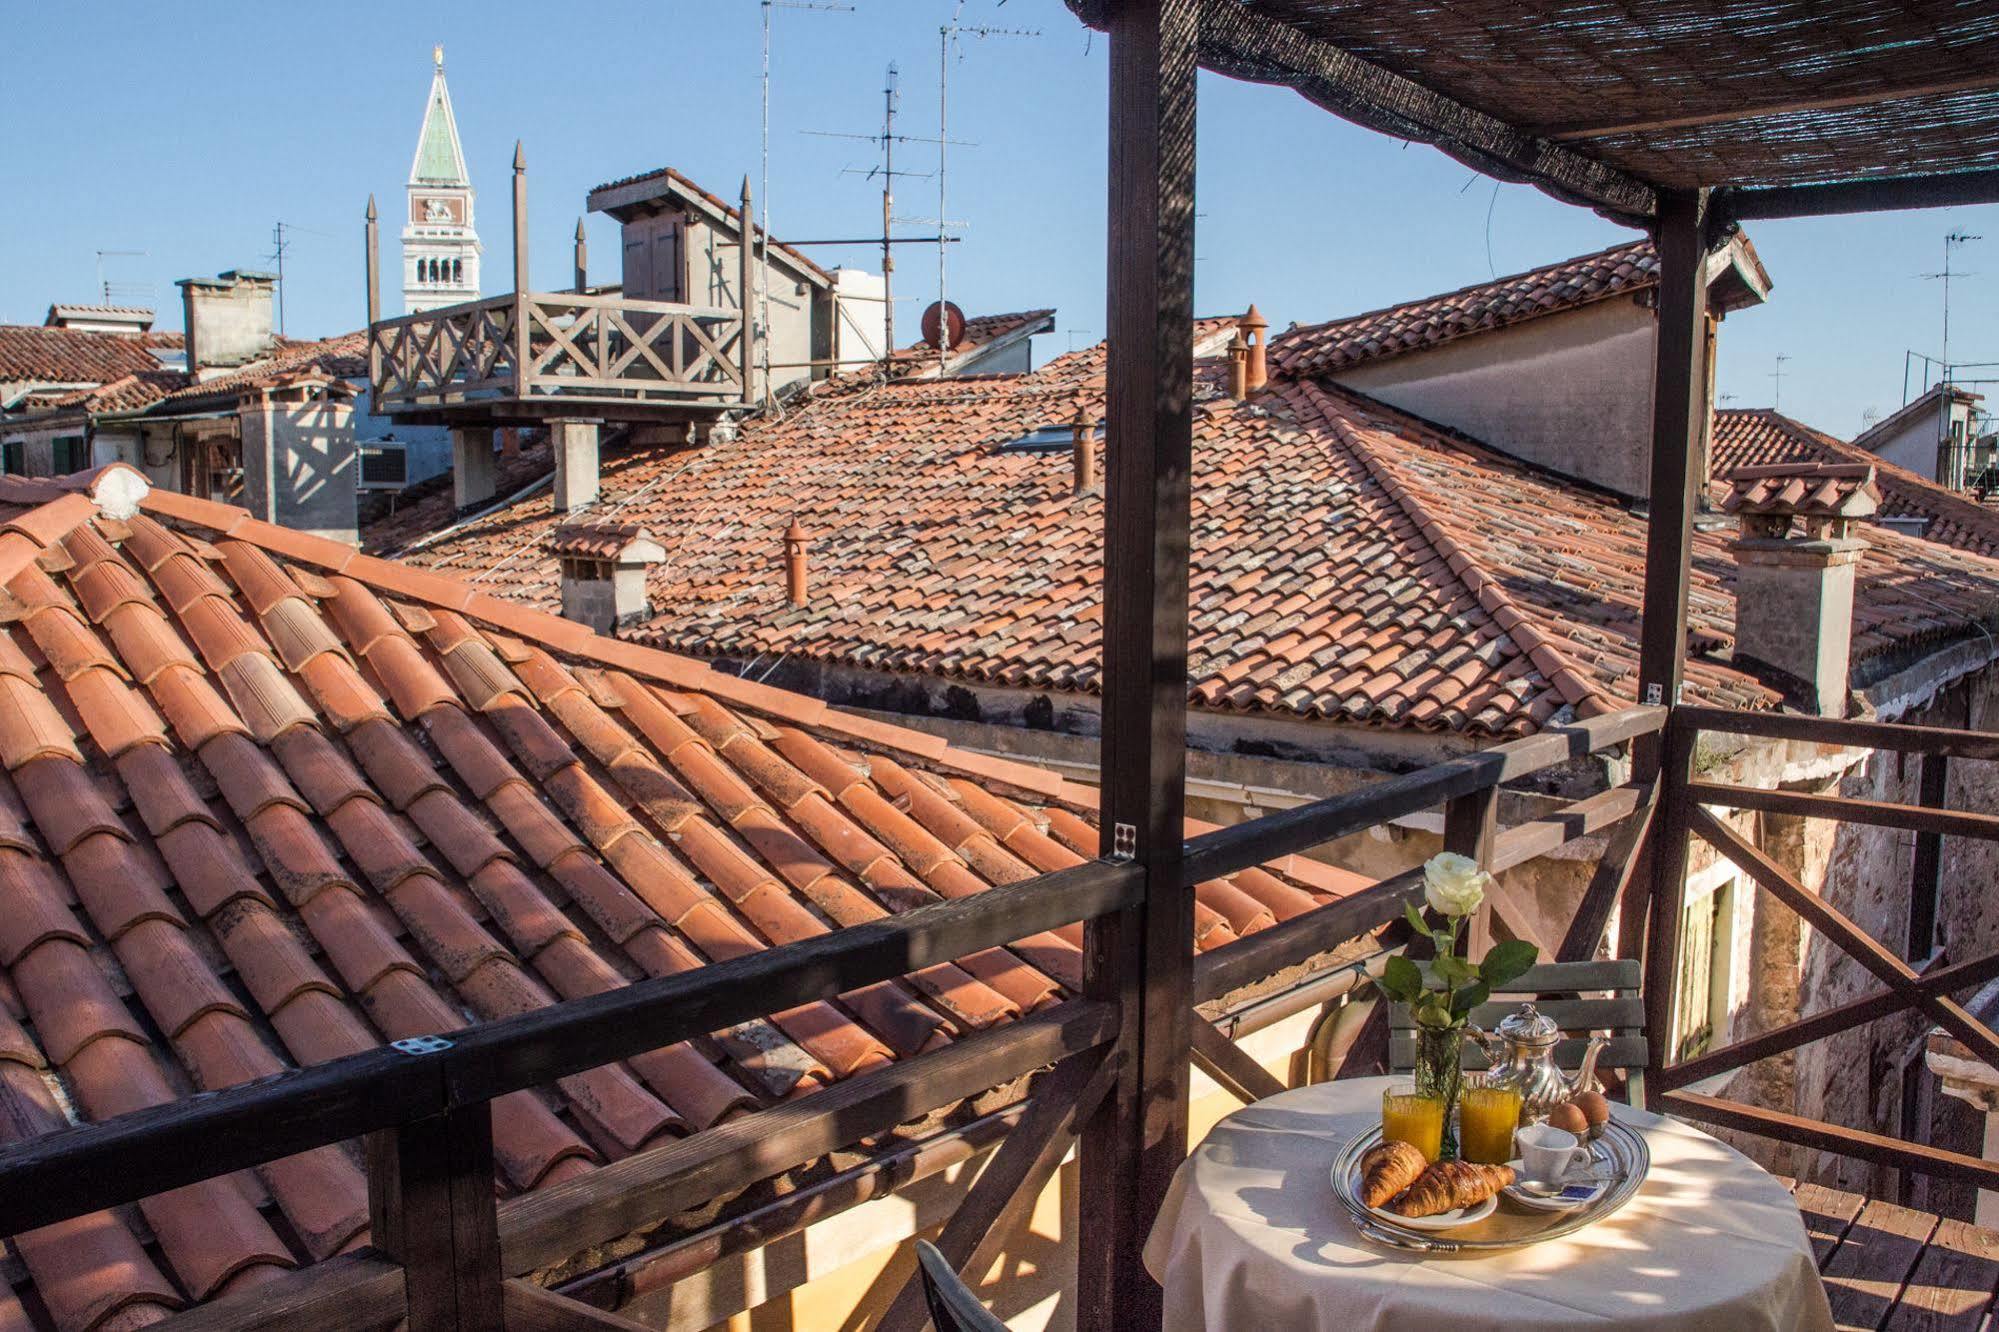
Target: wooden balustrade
column 536, row 351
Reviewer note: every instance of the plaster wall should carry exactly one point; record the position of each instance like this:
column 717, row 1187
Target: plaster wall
column 299, row 463
column 1915, row 445
column 1570, row 392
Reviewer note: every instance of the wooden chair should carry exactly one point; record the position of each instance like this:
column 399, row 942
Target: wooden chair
column 953, row 1307
column 1554, row 987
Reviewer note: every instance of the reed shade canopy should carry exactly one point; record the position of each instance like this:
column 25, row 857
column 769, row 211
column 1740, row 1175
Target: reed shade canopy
column 1605, row 102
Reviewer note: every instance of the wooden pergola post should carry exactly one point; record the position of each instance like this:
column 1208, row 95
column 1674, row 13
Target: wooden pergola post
column 1142, row 958
column 1679, row 423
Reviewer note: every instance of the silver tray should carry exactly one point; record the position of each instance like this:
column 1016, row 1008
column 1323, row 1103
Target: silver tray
column 1618, row 1153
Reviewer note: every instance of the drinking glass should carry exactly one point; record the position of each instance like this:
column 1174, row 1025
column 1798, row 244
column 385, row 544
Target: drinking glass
column 1487, row 1117
column 1416, row 1120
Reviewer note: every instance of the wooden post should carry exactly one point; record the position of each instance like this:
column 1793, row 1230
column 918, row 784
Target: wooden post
column 1926, row 870
column 1668, row 851
column 431, row 1208
column 746, row 290
column 1679, row 423
column 523, row 364
column 1471, row 824
column 582, row 259
column 1142, row 958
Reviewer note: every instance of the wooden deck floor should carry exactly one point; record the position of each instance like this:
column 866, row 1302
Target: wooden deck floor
column 1892, row 1267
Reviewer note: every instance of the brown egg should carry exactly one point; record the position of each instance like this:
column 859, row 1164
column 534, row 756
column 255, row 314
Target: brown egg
column 1594, row 1107
column 1569, row 1118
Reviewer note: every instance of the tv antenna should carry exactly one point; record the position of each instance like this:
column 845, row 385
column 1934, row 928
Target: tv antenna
column 281, row 242
column 949, row 37
column 114, row 292
column 888, row 139
column 1951, row 241
column 762, row 222
column 1777, row 393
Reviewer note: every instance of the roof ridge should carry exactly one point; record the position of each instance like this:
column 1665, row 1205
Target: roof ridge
column 1557, row 667
column 557, row 634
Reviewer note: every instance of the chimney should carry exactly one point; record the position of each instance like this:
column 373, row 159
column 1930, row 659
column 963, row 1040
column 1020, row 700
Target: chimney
column 1255, row 330
column 794, row 564
column 228, row 321
column 604, row 568
column 1086, row 451
column 1238, row 366
column 1794, row 573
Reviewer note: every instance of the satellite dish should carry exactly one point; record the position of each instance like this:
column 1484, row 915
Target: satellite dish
column 943, row 320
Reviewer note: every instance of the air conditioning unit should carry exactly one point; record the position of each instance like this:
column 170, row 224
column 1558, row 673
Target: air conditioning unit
column 384, row 467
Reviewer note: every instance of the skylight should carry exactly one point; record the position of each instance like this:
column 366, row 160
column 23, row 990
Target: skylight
column 1042, row 439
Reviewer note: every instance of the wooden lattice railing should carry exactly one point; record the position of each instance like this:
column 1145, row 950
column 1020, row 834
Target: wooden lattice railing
column 575, row 348
column 446, row 1254
column 1924, row 981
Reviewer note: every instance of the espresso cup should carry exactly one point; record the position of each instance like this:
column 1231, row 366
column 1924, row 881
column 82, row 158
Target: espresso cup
column 1549, row 1153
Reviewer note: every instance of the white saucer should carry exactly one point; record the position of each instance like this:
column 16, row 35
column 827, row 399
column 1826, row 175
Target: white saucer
column 1582, row 1187
column 1461, row 1216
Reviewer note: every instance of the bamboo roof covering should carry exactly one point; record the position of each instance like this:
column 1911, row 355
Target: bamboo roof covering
column 1604, row 102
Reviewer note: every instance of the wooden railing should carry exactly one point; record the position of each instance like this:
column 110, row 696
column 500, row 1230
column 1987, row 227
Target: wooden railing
column 549, row 347
column 1923, row 981
column 444, row 1254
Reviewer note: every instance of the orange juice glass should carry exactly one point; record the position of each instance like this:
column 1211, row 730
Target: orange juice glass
column 1487, row 1117
column 1416, row 1120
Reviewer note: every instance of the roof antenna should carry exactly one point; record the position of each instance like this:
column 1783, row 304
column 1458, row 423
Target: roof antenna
column 124, row 290
column 1777, row 393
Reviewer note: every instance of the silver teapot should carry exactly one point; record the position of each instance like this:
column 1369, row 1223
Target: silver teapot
column 1523, row 1057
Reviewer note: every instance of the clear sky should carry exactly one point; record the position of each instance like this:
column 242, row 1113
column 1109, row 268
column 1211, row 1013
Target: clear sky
column 187, row 131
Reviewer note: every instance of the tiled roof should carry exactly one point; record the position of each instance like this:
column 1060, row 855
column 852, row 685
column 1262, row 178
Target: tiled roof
column 1479, row 308
column 343, row 357
column 1804, row 489
column 135, row 314
column 596, row 541
column 980, row 331
column 265, row 802
column 1749, row 437
column 34, row 353
column 1350, row 562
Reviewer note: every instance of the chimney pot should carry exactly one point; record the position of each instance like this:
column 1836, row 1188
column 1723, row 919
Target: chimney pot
column 1254, row 330
column 1085, row 451
column 1795, row 564
column 794, row 564
column 1238, row 367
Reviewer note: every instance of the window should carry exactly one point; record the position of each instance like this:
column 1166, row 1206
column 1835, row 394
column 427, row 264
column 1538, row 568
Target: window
column 11, row 461
column 457, row 270
column 1042, row 439
column 69, row 456
column 1701, row 990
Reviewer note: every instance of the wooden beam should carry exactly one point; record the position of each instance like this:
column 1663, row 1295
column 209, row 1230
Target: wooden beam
column 1224, row 851
column 1142, row 960
column 1846, row 809
column 1659, row 898
column 1834, row 1138
column 430, row 1207
column 1951, row 189
column 1570, row 133
column 1062, row 1098
column 1679, row 423
column 1608, row 881
column 1847, row 1016
column 1900, row 737
column 1230, row 1065
column 1862, row 947
column 1552, row 831
column 530, row 1308
column 555, row 1221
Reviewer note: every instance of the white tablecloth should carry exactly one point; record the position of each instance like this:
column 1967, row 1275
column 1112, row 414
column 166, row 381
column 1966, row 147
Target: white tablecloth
column 1251, row 1237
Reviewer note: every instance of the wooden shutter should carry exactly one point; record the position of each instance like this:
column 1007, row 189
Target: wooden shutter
column 638, row 259
column 666, row 245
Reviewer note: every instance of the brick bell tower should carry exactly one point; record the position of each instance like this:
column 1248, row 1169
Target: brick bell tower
column 440, row 245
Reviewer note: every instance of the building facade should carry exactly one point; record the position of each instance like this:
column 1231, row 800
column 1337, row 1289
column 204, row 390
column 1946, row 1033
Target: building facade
column 440, row 242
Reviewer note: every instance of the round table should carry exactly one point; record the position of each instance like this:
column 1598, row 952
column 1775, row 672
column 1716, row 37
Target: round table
column 1252, row 1237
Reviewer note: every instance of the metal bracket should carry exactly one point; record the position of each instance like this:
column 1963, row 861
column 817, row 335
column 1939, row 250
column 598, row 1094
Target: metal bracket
column 1124, row 841
column 1655, row 694
column 421, row 1045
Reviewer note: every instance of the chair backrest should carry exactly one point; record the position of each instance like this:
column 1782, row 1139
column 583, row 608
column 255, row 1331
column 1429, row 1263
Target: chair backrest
column 1557, row 989
column 953, row 1307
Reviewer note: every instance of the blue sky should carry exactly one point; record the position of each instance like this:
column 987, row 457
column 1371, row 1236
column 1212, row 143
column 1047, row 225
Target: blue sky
column 187, row 131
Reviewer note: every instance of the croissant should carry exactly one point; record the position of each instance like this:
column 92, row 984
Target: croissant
column 1386, row 1169
column 1449, row 1185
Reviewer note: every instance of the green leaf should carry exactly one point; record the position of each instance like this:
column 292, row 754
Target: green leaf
column 1469, row 998
column 1401, row 979
column 1453, row 970
column 1507, row 961
column 1415, row 918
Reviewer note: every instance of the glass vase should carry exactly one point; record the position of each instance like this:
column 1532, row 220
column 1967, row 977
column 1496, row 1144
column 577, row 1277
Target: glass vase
column 1440, row 1073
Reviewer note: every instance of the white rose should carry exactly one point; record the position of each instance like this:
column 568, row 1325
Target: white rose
column 1452, row 884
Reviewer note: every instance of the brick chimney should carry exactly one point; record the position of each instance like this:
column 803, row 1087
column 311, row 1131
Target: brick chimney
column 1255, row 331
column 228, row 320
column 794, row 564
column 1238, row 366
column 604, row 568
column 1085, row 450
column 1795, row 567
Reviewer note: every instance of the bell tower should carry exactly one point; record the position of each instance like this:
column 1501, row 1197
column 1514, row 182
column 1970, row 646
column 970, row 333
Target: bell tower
column 440, row 244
